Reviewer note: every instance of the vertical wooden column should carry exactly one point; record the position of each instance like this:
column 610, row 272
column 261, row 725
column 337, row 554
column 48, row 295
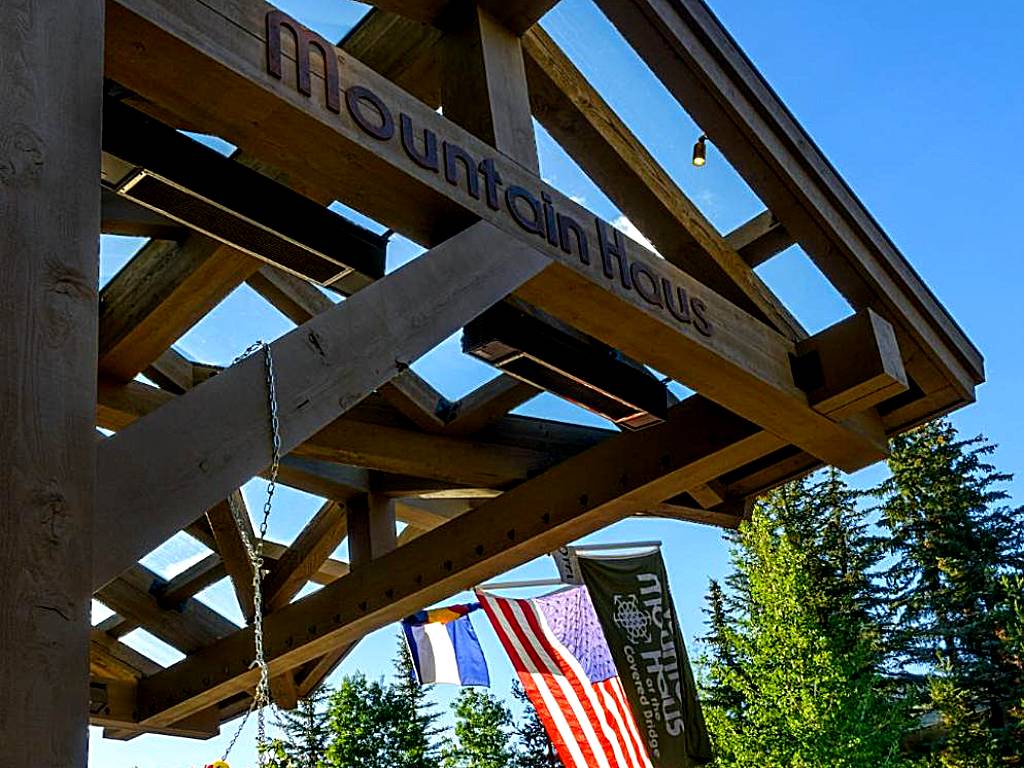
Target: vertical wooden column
column 51, row 70
column 371, row 529
column 483, row 82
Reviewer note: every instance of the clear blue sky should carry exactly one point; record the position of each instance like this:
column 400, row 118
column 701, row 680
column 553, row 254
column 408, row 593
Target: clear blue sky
column 918, row 104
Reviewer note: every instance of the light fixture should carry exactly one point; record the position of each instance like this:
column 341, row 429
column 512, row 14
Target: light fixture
column 186, row 182
column 700, row 151
column 525, row 343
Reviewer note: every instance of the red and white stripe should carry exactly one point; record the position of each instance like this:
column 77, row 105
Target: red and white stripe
column 590, row 725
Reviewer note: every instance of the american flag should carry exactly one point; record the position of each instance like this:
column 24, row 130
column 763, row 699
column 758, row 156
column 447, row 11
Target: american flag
column 562, row 659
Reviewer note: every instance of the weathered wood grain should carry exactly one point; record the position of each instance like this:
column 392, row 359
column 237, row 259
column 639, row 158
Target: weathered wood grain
column 50, row 113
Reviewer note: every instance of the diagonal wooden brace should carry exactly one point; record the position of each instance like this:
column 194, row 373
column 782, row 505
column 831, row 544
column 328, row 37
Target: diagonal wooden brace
column 190, row 454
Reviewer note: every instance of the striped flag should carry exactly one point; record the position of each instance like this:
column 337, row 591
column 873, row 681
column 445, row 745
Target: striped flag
column 444, row 646
column 560, row 654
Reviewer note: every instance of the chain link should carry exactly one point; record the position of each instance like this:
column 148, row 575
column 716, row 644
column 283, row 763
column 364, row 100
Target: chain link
column 254, row 550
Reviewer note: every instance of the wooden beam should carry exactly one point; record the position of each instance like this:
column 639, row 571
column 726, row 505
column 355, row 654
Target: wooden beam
column 300, row 301
column 192, row 452
column 292, row 296
column 111, row 706
column 518, row 15
column 186, row 584
column 172, row 371
column 194, row 579
column 488, row 403
column 109, row 658
column 588, row 129
column 483, row 82
column 693, row 515
column 323, row 478
column 321, row 668
column 709, row 494
column 759, row 239
column 168, row 287
column 50, row 222
column 400, row 49
column 743, row 364
column 507, row 452
column 120, row 216
column 702, row 66
column 427, row 514
column 187, row 626
column 305, row 556
column 453, row 460
column 232, row 550
column 626, row 474
column 161, row 293
column 418, row 401
column 371, row 529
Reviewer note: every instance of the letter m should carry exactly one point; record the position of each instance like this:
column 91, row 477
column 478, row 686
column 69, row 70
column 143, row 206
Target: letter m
column 304, row 40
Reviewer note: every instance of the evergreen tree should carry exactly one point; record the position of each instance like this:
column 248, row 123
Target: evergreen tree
column 364, row 719
column 535, row 748
column 483, row 731
column 307, row 733
column 793, row 663
column 416, row 729
column 1014, row 643
column 953, row 540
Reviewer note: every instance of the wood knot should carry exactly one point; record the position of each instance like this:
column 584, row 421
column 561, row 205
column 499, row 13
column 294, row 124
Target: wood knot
column 22, row 154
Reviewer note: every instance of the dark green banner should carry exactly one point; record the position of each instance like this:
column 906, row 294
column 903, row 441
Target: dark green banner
column 636, row 612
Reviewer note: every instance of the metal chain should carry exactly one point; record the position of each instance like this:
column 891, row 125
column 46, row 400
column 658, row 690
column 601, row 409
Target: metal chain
column 254, row 550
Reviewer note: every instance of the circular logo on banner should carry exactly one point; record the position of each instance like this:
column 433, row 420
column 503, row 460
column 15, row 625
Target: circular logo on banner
column 632, row 619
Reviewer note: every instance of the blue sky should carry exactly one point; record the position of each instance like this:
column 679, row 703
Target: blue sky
column 918, row 104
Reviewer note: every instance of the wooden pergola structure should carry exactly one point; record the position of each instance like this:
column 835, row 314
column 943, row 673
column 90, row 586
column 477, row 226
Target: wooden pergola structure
column 480, row 490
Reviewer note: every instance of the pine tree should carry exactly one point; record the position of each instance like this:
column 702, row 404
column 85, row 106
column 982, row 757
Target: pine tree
column 416, row 728
column 483, row 731
column 793, row 663
column 953, row 539
column 1013, row 640
column 307, row 733
column 363, row 718
column 535, row 749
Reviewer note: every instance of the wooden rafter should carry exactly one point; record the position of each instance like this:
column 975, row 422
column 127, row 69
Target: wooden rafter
column 508, row 451
column 759, row 239
column 232, row 549
column 305, row 556
column 517, row 15
column 190, row 626
column 702, row 66
column 161, row 293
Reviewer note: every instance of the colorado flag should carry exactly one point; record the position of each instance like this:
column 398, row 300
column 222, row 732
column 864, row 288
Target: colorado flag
column 444, row 646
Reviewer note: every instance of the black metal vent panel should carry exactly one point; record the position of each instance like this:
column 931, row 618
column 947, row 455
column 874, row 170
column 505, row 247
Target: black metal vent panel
column 187, row 182
column 544, row 352
column 209, row 218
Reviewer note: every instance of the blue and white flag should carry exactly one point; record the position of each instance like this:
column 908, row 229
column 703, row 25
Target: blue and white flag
column 444, row 646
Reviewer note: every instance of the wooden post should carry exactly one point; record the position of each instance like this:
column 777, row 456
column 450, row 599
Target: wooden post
column 51, row 67
column 483, row 85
